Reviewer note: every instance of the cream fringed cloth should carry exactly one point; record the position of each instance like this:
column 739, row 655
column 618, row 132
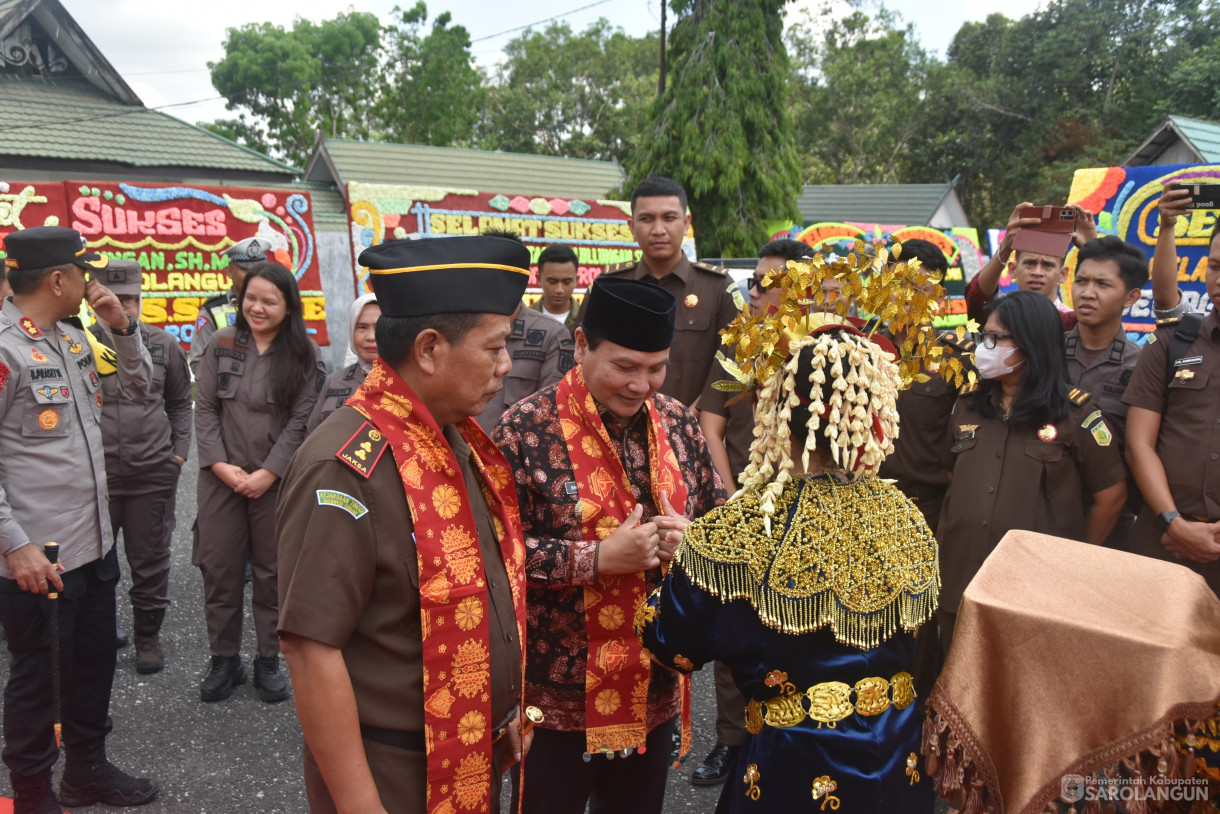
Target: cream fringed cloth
column 1075, row 660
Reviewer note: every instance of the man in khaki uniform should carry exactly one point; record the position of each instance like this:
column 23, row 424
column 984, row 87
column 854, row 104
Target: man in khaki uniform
column 147, row 442
column 541, row 351
column 401, row 556
column 558, row 270
column 659, row 221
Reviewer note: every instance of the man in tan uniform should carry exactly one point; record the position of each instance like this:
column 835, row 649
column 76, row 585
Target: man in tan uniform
column 147, row 441
column 401, row 556
column 659, row 221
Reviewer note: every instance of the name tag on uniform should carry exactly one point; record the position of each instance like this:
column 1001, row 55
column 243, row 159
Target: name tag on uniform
column 570, row 488
column 1189, row 360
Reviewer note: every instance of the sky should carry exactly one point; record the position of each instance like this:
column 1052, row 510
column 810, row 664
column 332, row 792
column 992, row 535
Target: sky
column 162, row 47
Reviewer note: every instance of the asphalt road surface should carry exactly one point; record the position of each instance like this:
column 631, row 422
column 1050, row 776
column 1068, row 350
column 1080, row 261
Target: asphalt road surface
column 241, row 755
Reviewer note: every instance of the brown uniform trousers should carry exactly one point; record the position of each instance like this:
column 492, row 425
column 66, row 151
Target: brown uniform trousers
column 141, row 438
column 1106, row 376
column 1189, row 440
column 236, row 422
column 542, row 351
column 350, row 579
column 1033, row 479
column 704, row 307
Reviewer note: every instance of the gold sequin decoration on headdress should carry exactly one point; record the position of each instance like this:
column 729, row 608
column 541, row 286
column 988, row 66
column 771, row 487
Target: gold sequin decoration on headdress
column 864, row 381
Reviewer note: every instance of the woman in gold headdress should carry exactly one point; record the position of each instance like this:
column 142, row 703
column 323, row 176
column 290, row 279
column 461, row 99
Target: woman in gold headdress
column 810, row 582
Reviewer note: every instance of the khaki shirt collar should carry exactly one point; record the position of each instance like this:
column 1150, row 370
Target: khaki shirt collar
column 682, row 271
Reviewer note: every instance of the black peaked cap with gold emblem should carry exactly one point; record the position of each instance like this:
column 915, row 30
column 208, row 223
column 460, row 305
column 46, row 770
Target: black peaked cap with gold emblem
column 634, row 314
column 41, row 247
column 479, row 274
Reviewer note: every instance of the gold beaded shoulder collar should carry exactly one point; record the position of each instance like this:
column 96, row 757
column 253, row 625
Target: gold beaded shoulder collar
column 857, row 557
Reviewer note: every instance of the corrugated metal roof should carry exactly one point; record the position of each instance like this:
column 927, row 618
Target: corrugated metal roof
column 75, row 121
column 513, row 173
column 895, row 204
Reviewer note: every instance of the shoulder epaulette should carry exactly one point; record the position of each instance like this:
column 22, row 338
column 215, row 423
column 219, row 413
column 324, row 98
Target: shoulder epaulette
column 1078, row 396
column 363, row 450
column 1168, row 322
column 714, row 269
column 950, row 338
column 617, row 267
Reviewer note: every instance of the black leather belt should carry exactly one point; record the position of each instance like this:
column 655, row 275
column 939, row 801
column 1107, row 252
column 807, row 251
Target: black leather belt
column 399, row 738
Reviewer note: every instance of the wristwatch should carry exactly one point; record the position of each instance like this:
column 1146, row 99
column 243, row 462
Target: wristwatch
column 1164, row 519
column 128, row 330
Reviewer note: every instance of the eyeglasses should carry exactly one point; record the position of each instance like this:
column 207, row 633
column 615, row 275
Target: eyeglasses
column 990, row 338
column 755, row 282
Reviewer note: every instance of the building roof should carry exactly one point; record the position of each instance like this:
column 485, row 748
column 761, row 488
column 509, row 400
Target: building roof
column 894, row 204
column 67, row 38
column 1199, row 136
column 67, row 120
column 341, row 161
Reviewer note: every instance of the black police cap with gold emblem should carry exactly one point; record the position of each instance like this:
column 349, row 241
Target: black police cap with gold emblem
column 479, row 274
column 634, row 314
column 41, row 247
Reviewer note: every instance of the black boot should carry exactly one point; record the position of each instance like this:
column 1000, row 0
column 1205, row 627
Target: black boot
column 224, row 674
column 148, row 641
column 716, row 766
column 90, row 778
column 33, row 794
column 272, row 685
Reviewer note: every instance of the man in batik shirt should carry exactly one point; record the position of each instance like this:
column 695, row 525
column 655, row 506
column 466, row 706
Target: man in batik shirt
column 608, row 474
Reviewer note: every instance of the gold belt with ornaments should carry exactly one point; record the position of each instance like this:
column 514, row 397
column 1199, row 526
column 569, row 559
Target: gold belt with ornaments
column 828, row 702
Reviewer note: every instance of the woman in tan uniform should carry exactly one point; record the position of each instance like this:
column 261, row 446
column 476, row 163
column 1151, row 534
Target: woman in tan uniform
column 1026, row 450
column 361, row 329
column 257, row 384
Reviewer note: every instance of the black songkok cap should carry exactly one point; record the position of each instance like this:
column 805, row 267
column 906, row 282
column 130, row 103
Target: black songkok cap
column 636, row 315
column 41, row 247
column 479, row 274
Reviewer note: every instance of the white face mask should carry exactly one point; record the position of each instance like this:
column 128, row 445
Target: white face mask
column 993, row 362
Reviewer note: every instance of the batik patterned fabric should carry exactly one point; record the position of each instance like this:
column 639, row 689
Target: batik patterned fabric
column 453, row 596
column 617, row 671
column 561, row 560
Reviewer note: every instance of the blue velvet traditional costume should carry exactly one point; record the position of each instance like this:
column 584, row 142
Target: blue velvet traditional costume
column 815, row 620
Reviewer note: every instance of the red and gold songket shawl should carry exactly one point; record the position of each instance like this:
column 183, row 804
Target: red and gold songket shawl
column 453, row 595
column 618, row 668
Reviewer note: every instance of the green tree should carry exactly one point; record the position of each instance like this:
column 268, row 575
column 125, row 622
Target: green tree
column 1020, row 105
column 577, row 95
column 855, row 89
column 289, row 84
column 722, row 127
column 432, row 90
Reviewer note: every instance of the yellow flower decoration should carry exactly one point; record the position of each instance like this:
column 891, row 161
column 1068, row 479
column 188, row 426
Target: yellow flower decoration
column 611, row 617
column 469, row 613
column 446, row 500
column 471, row 727
column 607, row 702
